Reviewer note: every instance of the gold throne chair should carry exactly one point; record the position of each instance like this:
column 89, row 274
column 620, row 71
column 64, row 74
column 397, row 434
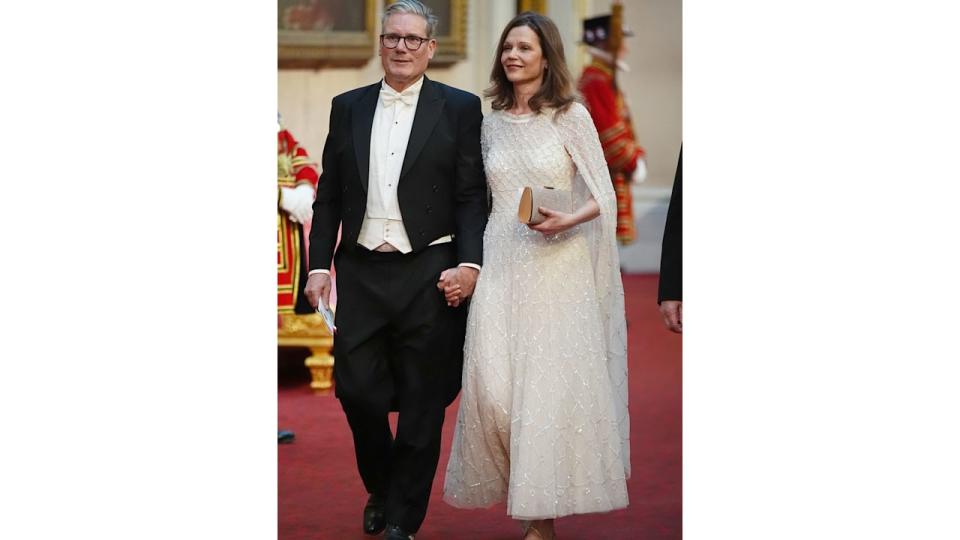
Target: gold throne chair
column 296, row 329
column 309, row 331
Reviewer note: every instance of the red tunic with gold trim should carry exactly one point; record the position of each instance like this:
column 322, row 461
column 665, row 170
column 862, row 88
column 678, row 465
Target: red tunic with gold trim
column 612, row 119
column 293, row 168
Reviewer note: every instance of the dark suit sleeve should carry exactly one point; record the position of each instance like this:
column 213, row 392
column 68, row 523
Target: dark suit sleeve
column 326, row 207
column 671, row 256
column 471, row 186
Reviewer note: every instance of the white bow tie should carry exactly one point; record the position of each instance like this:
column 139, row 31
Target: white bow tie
column 389, row 97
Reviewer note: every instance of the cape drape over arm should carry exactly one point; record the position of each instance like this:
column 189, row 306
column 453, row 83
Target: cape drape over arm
column 580, row 138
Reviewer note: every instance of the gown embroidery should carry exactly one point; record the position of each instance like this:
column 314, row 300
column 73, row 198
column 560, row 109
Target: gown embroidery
column 543, row 421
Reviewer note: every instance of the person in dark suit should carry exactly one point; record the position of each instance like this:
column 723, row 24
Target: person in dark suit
column 402, row 174
column 670, row 295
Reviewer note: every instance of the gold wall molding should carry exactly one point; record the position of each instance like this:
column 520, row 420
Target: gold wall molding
column 540, row 6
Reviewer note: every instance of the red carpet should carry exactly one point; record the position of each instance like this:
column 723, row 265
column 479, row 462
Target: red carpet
column 321, row 496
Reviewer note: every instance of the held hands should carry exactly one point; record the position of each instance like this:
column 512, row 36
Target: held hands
column 556, row 222
column 297, row 202
column 318, row 288
column 457, row 284
column 672, row 312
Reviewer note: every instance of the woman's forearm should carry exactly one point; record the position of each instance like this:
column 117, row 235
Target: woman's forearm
column 588, row 211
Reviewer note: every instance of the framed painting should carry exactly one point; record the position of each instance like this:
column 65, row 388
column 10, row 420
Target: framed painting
column 318, row 33
column 451, row 31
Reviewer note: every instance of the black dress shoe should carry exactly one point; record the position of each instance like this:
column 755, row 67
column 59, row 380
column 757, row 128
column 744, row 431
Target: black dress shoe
column 394, row 532
column 374, row 515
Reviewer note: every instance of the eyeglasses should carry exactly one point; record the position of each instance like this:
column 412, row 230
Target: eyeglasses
column 412, row 43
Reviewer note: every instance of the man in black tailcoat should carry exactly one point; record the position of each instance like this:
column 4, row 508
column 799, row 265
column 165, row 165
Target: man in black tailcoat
column 402, row 174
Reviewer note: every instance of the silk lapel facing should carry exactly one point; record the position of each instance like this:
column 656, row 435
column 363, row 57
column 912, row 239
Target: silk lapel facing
column 362, row 118
column 428, row 112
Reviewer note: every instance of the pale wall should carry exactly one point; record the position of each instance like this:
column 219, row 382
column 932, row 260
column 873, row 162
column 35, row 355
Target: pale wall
column 653, row 89
column 654, row 92
column 654, row 85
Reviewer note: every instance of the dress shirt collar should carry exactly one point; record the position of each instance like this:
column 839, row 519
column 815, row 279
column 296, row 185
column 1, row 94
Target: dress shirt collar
column 389, row 96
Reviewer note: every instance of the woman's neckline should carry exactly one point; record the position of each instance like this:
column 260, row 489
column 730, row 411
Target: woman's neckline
column 522, row 117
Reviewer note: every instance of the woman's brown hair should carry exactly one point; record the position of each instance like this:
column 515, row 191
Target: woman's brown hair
column 557, row 88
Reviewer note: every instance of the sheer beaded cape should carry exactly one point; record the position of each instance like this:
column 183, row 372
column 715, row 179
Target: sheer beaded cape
column 543, row 421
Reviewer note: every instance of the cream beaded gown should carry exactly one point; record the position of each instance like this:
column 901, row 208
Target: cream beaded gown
column 543, row 418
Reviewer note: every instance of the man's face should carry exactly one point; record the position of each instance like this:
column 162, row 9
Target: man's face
column 401, row 65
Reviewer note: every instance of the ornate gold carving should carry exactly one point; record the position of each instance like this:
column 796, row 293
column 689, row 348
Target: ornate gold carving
column 302, row 326
column 310, row 331
column 320, row 364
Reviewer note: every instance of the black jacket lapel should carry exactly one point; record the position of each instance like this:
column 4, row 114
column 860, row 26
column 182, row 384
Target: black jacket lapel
column 429, row 107
column 362, row 117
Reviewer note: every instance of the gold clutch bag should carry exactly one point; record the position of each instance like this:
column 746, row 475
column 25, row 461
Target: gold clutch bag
column 534, row 197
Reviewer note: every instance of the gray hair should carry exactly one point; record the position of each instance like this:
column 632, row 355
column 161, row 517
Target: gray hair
column 414, row 7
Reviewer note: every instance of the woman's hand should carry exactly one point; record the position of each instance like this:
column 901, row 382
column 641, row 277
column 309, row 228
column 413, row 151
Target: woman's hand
column 556, row 222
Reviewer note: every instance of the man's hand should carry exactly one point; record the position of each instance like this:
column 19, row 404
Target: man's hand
column 318, row 288
column 672, row 312
column 457, row 284
column 297, row 202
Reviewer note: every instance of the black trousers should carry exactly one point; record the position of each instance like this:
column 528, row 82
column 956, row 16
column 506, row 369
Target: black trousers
column 398, row 347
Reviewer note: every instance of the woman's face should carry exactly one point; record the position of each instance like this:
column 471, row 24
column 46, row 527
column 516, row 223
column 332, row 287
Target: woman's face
column 522, row 58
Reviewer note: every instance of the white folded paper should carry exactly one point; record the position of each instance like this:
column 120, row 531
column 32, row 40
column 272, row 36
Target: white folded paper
column 327, row 315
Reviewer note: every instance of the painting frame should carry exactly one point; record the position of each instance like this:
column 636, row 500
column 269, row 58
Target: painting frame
column 329, row 48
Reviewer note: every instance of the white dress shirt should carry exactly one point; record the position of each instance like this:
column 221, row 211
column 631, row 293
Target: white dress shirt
column 392, row 122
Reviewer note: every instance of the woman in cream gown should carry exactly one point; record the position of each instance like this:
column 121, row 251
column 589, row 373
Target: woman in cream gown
column 543, row 421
